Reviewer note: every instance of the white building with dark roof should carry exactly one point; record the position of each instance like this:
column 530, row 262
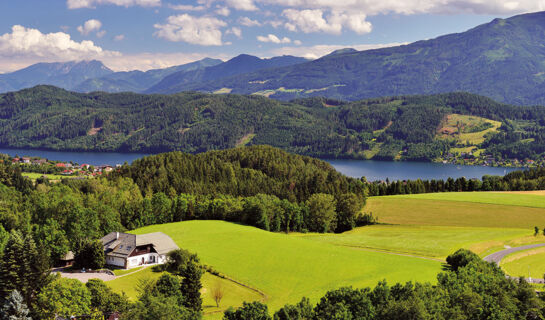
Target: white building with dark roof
column 127, row 250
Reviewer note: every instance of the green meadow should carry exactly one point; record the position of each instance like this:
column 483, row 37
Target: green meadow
column 234, row 294
column 285, row 267
column 500, row 198
column 460, row 210
column 428, row 241
column 415, row 235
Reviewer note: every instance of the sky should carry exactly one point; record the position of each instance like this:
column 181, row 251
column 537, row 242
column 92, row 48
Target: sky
column 147, row 34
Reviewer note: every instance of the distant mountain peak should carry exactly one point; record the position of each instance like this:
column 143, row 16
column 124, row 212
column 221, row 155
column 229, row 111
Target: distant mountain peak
column 341, row 51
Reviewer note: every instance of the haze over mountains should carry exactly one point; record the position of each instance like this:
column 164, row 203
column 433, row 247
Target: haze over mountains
column 88, row 76
column 503, row 60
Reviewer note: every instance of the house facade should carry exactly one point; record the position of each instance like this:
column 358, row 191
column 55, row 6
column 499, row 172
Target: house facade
column 127, row 251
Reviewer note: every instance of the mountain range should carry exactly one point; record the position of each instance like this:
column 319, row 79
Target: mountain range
column 88, row 76
column 503, row 60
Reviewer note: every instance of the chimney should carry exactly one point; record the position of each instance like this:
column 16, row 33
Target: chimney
column 117, row 236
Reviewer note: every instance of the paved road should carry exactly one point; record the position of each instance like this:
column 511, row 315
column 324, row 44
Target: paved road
column 498, row 256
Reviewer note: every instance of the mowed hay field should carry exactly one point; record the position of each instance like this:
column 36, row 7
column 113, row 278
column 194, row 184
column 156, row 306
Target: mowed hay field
column 464, row 209
column 428, row 241
column 287, row 268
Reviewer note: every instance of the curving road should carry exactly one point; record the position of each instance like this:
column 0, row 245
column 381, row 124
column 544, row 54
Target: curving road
column 498, row 256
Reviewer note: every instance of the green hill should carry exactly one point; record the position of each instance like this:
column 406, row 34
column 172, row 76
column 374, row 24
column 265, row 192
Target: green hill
column 502, row 59
column 386, row 128
column 287, row 268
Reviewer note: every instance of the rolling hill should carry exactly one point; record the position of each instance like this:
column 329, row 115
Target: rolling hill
column 503, row 60
column 390, row 128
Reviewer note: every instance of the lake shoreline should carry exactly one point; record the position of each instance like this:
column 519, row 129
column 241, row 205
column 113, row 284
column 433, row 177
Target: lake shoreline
column 373, row 170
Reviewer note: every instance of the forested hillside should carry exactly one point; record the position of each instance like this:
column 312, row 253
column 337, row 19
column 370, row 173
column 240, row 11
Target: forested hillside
column 502, row 60
column 453, row 127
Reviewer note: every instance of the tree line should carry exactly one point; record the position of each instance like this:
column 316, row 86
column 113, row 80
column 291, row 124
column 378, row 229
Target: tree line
column 520, row 180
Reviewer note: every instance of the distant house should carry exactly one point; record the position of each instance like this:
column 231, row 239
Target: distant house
column 39, row 161
column 60, row 165
column 127, row 251
column 25, row 160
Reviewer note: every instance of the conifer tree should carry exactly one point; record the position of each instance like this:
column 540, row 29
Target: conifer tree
column 14, row 308
column 191, row 286
column 9, row 265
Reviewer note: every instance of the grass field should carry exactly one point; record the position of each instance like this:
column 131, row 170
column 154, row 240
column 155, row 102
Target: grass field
column 287, row 268
column 460, row 126
column 428, row 241
column 524, row 199
column 525, row 262
column 436, row 210
column 34, row 176
column 235, row 294
column 120, row 272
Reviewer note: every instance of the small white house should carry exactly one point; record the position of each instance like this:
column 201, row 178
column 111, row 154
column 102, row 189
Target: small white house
column 127, row 251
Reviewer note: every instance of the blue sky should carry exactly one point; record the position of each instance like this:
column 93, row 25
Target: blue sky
column 144, row 34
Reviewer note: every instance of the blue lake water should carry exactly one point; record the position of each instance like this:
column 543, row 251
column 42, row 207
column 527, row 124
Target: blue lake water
column 373, row 170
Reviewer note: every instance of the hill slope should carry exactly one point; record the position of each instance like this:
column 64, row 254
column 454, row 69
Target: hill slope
column 502, row 59
column 287, row 268
column 181, row 81
column 137, row 81
column 59, row 74
column 386, row 128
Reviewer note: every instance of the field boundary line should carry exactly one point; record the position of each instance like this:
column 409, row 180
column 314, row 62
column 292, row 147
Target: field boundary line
column 462, row 201
column 397, row 253
column 264, row 296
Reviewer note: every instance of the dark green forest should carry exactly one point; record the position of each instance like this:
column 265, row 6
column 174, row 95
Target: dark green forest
column 384, row 129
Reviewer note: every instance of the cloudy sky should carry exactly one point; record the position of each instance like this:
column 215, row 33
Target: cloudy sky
column 145, row 34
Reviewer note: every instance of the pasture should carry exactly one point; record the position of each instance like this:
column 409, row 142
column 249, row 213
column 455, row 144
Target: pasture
column 428, row 241
column 235, row 294
column 466, row 128
column 490, row 210
column 285, row 267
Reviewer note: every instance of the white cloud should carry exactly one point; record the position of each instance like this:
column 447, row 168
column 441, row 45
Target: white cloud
column 244, row 5
column 186, row 7
column 314, row 52
column 235, row 31
column 335, row 16
column 119, row 37
column 196, row 30
column 149, row 60
column 223, row 11
column 77, row 4
column 374, row 7
column 24, row 46
column 245, row 21
column 297, row 42
column 90, row 26
column 273, row 39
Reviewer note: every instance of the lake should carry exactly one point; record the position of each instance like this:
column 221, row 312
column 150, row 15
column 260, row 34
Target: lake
column 373, row 170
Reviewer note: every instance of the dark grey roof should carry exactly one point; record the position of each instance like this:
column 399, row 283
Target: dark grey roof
column 121, row 244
